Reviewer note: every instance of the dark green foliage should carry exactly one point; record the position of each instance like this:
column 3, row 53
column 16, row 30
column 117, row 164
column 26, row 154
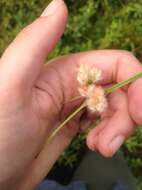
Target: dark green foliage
column 133, row 154
column 93, row 24
column 73, row 154
column 14, row 15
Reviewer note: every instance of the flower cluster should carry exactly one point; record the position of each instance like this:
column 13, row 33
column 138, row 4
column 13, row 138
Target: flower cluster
column 87, row 75
column 95, row 95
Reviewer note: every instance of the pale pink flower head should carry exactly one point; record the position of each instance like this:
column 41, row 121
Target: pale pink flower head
column 96, row 101
column 88, row 75
column 95, row 96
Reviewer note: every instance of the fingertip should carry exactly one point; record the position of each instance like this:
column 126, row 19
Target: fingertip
column 55, row 7
column 63, row 9
column 92, row 138
column 91, row 143
column 64, row 6
column 108, row 149
column 97, row 143
column 105, row 151
column 113, row 136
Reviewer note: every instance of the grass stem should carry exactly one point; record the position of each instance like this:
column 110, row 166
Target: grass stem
column 123, row 83
column 66, row 121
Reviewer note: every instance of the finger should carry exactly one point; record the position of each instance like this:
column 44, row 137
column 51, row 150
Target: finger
column 92, row 138
column 116, row 66
column 22, row 61
column 117, row 128
column 135, row 101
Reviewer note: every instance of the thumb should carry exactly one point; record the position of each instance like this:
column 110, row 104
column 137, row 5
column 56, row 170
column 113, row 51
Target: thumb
column 22, row 61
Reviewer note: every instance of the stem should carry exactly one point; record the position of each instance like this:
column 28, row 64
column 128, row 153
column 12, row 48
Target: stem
column 66, row 121
column 73, row 99
column 123, row 83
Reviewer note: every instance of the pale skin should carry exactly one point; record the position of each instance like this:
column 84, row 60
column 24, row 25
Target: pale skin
column 34, row 97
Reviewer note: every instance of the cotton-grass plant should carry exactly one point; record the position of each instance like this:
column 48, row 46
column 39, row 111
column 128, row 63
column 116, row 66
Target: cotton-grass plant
column 95, row 97
column 95, row 100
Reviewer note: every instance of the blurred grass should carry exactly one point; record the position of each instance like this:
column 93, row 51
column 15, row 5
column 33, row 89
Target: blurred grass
column 93, row 24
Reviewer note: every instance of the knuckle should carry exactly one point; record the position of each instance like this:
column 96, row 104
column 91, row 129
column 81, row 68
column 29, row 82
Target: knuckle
column 127, row 53
column 25, row 31
column 127, row 57
column 28, row 30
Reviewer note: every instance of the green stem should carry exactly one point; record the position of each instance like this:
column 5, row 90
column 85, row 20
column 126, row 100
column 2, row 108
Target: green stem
column 123, row 83
column 66, row 121
column 73, row 99
column 107, row 91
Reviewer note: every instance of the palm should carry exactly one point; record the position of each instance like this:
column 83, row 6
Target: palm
column 51, row 99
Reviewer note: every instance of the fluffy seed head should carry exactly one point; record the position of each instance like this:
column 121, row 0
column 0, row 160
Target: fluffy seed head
column 88, row 75
column 96, row 101
column 95, row 96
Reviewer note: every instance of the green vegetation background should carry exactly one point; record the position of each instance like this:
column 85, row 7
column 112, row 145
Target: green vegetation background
column 93, row 24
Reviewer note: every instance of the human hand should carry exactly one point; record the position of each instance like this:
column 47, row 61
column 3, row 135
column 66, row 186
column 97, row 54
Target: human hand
column 35, row 97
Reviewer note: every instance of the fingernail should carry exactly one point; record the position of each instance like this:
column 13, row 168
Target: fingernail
column 51, row 9
column 92, row 143
column 116, row 144
column 92, row 147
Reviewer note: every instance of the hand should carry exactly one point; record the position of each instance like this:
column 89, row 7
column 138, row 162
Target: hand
column 34, row 97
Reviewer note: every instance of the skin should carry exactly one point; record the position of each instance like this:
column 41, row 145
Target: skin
column 34, row 98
